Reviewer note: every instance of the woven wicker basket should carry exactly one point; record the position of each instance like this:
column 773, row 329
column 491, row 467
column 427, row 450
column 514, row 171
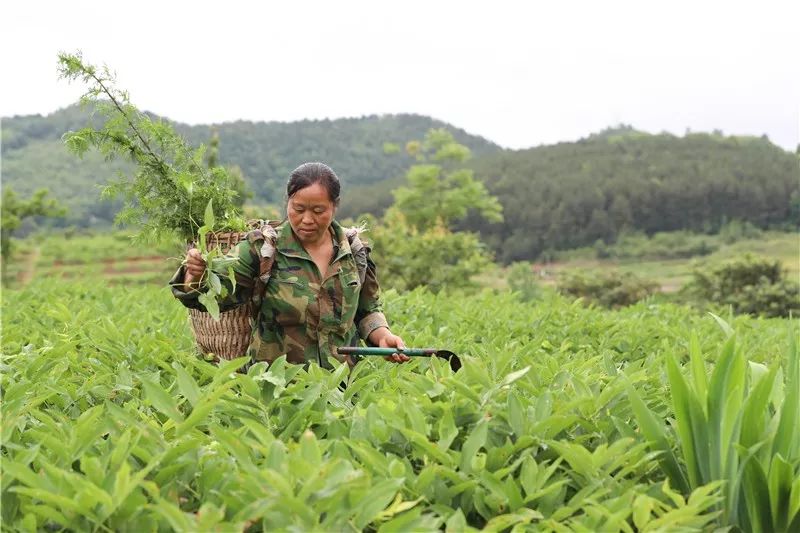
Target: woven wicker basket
column 230, row 337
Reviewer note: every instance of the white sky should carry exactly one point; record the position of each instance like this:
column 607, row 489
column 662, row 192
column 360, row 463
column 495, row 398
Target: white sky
column 520, row 73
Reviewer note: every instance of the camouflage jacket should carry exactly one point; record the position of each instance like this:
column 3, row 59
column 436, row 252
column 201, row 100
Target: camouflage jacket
column 302, row 314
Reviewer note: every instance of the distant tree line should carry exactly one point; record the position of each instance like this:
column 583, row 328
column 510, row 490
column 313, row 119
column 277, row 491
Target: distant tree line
column 553, row 197
column 577, row 194
column 265, row 152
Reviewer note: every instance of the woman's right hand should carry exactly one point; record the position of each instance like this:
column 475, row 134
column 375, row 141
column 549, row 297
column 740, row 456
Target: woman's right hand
column 195, row 267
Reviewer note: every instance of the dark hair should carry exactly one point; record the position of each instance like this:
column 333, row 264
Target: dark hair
column 308, row 174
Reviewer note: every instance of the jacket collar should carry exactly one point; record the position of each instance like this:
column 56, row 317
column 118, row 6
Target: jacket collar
column 289, row 245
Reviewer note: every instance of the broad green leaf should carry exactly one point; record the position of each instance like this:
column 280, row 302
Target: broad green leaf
column 447, row 430
column 754, row 414
column 214, row 283
column 718, row 391
column 87, row 429
column 756, row 497
column 61, row 503
column 654, row 432
column 700, row 378
column 475, row 441
column 514, row 376
column 682, row 397
column 642, row 509
column 794, row 505
column 208, row 217
column 786, row 442
column 203, row 408
column 457, row 523
column 376, row 500
column 309, row 448
column 186, row 384
column 209, row 301
column 516, row 415
column 781, row 476
column 25, row 475
column 161, row 399
column 724, row 326
column 503, row 522
column 578, row 457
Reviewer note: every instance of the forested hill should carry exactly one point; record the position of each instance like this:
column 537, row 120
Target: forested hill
column 33, row 155
column 572, row 194
column 554, row 197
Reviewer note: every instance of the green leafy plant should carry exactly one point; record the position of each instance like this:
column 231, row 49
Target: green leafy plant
column 416, row 242
column 740, row 427
column 611, row 289
column 171, row 185
column 15, row 210
column 116, row 425
column 749, row 285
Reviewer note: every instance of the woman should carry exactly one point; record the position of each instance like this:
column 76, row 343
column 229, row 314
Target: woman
column 315, row 300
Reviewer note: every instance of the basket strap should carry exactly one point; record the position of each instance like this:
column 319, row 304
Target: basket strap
column 267, row 237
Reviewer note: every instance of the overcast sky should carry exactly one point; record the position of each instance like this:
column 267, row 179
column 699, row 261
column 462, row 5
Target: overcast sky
column 519, row 73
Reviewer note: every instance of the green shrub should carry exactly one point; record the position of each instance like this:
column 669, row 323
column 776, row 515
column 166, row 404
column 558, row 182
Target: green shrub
column 608, row 290
column 522, row 280
column 750, row 285
column 662, row 245
column 434, row 258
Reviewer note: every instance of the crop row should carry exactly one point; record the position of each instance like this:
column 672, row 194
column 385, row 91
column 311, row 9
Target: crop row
column 110, row 422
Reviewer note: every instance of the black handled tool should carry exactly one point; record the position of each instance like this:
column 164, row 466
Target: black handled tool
column 455, row 362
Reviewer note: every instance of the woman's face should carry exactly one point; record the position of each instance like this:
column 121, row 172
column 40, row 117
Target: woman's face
column 310, row 212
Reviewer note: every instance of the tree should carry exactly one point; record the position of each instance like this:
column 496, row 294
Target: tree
column 171, row 191
column 15, row 210
column 415, row 241
column 438, row 193
column 237, row 179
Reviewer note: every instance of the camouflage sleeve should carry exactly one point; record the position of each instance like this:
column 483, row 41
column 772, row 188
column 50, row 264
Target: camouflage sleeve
column 369, row 315
column 244, row 271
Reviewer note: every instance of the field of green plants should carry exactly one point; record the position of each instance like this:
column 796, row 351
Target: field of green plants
column 563, row 418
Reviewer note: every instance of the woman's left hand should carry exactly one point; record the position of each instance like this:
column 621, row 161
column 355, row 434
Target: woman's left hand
column 390, row 340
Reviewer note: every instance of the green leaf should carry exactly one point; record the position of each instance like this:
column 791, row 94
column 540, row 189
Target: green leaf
column 642, row 509
column 754, row 414
column 375, row 501
column 720, row 387
column 24, row 474
column 186, row 384
column 786, row 442
column 724, row 326
column 654, row 432
column 208, row 218
column 447, row 430
column 209, row 301
column 698, row 369
column 475, row 441
column 516, row 415
column 781, row 475
column 503, row 522
column 756, row 497
column 514, row 376
column 309, row 448
column 794, row 504
column 161, row 399
column 690, row 420
column 204, row 408
column 214, row 283
column 457, row 522
column 58, row 501
column 578, row 457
